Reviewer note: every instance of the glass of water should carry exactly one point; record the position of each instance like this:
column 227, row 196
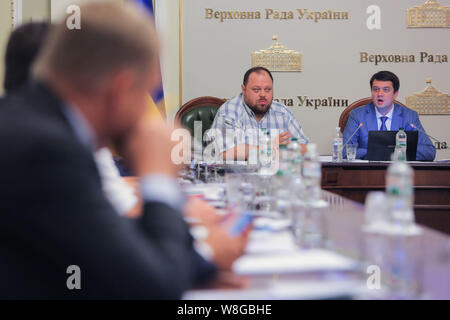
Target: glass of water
column 240, row 191
column 351, row 151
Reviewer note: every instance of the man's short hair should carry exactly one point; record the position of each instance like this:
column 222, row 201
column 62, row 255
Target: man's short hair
column 112, row 37
column 256, row 70
column 386, row 76
column 23, row 46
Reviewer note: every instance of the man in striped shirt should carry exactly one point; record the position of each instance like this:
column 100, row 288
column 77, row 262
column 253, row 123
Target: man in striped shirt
column 239, row 120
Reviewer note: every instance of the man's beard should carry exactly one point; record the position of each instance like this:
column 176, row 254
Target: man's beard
column 257, row 109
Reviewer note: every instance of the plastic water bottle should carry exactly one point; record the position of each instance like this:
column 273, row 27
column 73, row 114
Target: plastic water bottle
column 377, row 223
column 283, row 194
column 393, row 248
column 392, row 239
column 403, row 253
column 312, row 174
column 297, row 190
column 400, row 145
column 338, row 143
column 284, row 166
column 265, row 152
column 295, row 156
column 399, row 190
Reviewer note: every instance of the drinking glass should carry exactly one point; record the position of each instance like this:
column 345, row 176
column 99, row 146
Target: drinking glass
column 351, row 151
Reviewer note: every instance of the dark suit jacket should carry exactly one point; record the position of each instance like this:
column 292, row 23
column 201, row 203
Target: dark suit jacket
column 53, row 214
column 401, row 118
column 9, row 100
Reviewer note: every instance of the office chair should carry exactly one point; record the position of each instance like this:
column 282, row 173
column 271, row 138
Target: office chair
column 359, row 103
column 202, row 109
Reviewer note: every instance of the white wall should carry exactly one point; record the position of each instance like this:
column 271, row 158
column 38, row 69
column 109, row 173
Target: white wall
column 216, row 54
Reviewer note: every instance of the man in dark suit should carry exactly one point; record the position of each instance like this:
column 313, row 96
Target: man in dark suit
column 59, row 236
column 21, row 50
column 383, row 114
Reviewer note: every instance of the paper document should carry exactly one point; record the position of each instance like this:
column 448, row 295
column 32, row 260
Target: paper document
column 293, row 262
column 322, row 289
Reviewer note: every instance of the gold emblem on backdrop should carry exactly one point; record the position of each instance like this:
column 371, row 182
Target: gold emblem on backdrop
column 429, row 101
column 429, row 15
column 277, row 58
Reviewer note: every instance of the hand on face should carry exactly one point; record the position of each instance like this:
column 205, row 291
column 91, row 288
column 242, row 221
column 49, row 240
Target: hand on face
column 148, row 148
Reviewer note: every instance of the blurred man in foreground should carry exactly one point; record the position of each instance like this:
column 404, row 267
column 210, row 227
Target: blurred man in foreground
column 60, row 237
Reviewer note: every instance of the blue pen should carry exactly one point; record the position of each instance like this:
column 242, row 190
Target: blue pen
column 242, row 223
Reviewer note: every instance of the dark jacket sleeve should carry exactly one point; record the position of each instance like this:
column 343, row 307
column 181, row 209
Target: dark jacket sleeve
column 425, row 148
column 55, row 215
column 352, row 124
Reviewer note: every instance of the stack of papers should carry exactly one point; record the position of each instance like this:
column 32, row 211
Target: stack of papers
column 270, row 252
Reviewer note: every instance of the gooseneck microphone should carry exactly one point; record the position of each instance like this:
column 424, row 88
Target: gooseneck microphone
column 441, row 143
column 360, row 125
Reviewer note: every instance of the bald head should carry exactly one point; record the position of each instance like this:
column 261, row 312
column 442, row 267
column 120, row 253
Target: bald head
column 113, row 37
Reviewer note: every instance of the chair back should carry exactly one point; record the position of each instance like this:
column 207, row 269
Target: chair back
column 202, row 109
column 359, row 103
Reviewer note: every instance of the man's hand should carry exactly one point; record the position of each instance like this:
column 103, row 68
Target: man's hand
column 201, row 211
column 283, row 138
column 226, row 248
column 148, row 148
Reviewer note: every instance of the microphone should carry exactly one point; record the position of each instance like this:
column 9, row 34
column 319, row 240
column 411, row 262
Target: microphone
column 360, row 125
column 441, row 144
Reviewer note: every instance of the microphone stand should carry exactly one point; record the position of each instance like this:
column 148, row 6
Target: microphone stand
column 360, row 125
column 422, row 131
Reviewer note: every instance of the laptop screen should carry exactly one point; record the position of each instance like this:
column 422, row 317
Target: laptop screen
column 381, row 145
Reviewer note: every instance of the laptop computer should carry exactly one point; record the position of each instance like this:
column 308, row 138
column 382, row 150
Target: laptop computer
column 381, row 145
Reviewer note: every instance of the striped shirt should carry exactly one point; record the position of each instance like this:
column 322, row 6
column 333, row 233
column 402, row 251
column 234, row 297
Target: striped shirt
column 237, row 123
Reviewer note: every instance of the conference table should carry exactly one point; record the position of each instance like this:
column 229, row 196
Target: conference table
column 343, row 235
column 354, row 180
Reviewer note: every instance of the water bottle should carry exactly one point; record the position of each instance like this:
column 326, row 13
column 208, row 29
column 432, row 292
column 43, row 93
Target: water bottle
column 295, row 155
column 265, row 152
column 399, row 190
column 338, row 143
column 283, row 194
column 392, row 239
column 404, row 262
column 282, row 179
column 312, row 174
column 284, row 167
column 403, row 251
column 297, row 190
column 400, row 145
column 375, row 242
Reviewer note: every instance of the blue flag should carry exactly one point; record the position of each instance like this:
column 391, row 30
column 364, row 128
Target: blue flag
column 156, row 98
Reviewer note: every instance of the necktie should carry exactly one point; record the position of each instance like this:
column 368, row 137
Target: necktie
column 383, row 123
